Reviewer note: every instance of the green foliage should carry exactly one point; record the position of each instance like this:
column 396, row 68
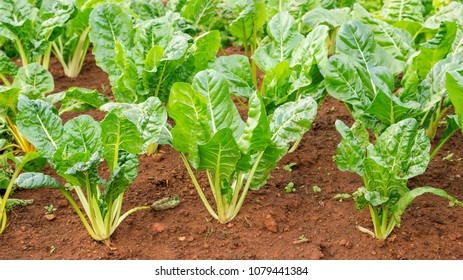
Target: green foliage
column 401, row 152
column 236, row 155
column 76, row 150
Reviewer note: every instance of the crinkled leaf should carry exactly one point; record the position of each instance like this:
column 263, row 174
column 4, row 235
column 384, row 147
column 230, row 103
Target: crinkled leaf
column 34, row 81
column 200, row 12
column 403, row 10
column 251, row 17
column 237, row 71
column 7, row 66
column 82, row 135
column 292, row 120
column 125, row 173
column 282, row 29
column 395, row 41
column 403, row 148
column 332, row 18
column 40, row 125
column 222, row 111
column 450, row 13
column 34, row 180
column 351, row 150
column 276, row 83
column 81, row 99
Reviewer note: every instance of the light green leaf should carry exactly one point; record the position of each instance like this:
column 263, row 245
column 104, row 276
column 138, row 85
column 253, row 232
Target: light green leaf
column 332, row 18
column 119, row 133
column 205, row 49
column 38, row 123
column 222, row 111
column 34, row 81
column 220, row 155
column 237, row 71
column 403, row 148
column 395, row 41
column 81, row 99
column 251, row 17
column 200, row 12
column 403, row 10
column 256, row 136
column 351, row 151
column 292, row 120
column 82, row 135
column 34, row 180
column 109, row 24
column 268, row 161
column 455, row 89
column 123, row 175
column 7, row 66
column 189, row 110
column 450, row 13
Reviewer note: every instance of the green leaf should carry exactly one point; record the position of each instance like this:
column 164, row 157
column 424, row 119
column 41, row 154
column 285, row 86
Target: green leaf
column 125, row 173
column 276, row 84
column 408, row 198
column 256, row 136
column 7, row 66
column 403, row 10
column 450, row 13
column 312, row 51
column 201, row 12
column 435, row 49
column 220, row 155
column 81, row 99
column 403, row 148
column 282, row 29
column 82, row 135
column 237, row 71
column 38, row 123
column 395, row 41
column 268, row 161
column 455, row 89
column 332, row 18
column 109, row 24
column 351, row 151
column 251, row 17
column 146, row 10
column 205, row 49
column 222, row 111
column 34, row 81
column 292, row 120
column 34, row 180
column 119, row 133
column 189, row 110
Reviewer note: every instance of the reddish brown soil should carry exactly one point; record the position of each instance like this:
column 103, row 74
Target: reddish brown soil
column 271, row 223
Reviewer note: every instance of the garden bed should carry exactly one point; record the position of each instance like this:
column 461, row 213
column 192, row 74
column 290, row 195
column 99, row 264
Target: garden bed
column 272, row 224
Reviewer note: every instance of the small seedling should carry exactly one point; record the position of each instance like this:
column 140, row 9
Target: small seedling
column 316, row 189
column 52, row 249
column 50, row 209
column 341, row 196
column 302, row 237
column 289, row 166
column 290, row 188
column 448, row 157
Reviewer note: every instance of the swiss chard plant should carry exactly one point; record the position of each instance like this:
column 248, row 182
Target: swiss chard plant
column 33, row 25
column 145, row 58
column 76, row 151
column 401, row 152
column 237, row 156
